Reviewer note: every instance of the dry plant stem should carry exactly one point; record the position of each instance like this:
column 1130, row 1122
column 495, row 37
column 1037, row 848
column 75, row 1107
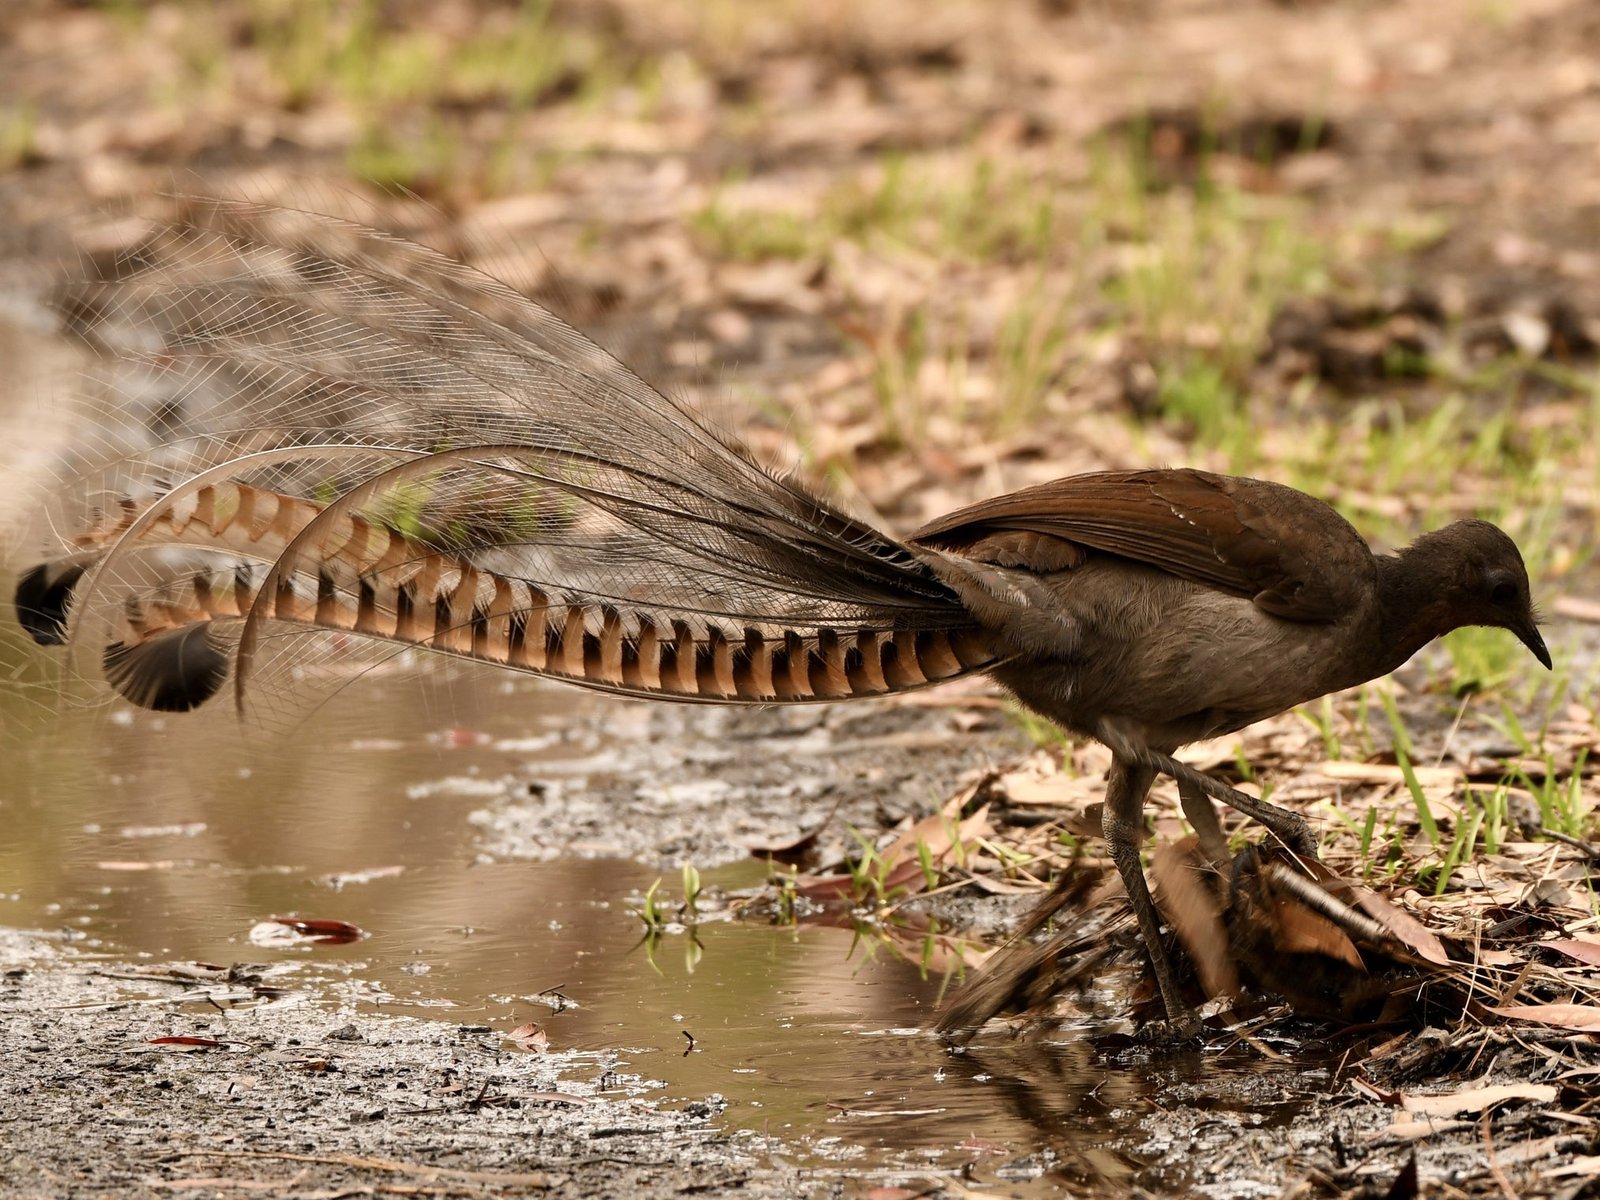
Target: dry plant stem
column 1290, row 828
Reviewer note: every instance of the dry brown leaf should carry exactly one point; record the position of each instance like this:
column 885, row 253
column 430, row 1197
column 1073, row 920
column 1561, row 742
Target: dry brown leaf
column 1193, row 910
column 902, row 862
column 552, row 1097
column 1400, row 925
column 1030, row 789
column 186, row 1042
column 1584, row 951
column 995, row 885
column 1301, row 931
column 940, row 833
column 1576, row 608
column 530, row 1037
column 1582, row 1017
column 1411, row 1131
column 1475, row 1100
column 1587, row 1167
column 1209, row 755
column 824, row 887
column 1354, row 772
column 1412, row 933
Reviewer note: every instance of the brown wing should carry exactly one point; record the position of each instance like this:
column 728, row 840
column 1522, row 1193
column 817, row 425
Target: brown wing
column 1290, row 553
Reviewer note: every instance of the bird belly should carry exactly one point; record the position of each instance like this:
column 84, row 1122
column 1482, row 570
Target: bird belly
column 1170, row 662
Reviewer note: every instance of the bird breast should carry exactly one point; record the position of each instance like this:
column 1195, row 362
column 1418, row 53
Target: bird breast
column 1175, row 660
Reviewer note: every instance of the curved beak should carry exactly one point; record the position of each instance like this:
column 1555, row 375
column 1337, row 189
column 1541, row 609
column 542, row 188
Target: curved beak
column 1530, row 637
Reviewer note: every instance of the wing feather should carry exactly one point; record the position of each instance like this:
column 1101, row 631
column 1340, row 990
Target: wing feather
column 1291, row 554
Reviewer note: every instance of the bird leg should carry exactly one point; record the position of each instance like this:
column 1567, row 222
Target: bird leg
column 1202, row 818
column 1288, row 827
column 1123, row 824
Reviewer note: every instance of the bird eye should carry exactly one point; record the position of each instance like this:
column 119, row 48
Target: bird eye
column 1503, row 593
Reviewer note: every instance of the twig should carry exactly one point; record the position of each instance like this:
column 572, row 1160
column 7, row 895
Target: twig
column 1494, row 1161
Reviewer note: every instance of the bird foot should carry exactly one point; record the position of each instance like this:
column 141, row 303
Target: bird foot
column 1185, row 1029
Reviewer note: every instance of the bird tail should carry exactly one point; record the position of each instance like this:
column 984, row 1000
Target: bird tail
column 362, row 440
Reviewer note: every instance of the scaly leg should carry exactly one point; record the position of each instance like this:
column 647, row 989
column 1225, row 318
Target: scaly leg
column 1203, row 818
column 1290, row 828
column 1123, row 824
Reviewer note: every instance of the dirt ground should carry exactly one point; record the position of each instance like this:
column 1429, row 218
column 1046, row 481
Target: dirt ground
column 285, row 1099
column 278, row 1080
column 902, row 247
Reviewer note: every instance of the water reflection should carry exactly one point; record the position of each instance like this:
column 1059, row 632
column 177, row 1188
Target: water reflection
column 168, row 839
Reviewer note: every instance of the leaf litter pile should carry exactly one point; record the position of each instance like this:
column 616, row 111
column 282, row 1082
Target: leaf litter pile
column 1443, row 956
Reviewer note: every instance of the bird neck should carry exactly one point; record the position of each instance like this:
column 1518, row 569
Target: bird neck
column 1414, row 604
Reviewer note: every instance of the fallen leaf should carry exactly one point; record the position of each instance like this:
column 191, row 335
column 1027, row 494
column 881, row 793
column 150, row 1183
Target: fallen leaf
column 1587, row 1167
column 1412, row 1131
column 1577, row 608
column 194, row 1043
column 530, row 1037
column 900, row 864
column 1475, row 1100
column 326, row 932
column 1409, row 931
column 802, row 850
column 1374, row 1092
column 939, row 835
column 1354, row 772
column 1401, row 925
column 824, row 887
column 997, row 886
column 1043, row 785
column 552, row 1097
column 1585, row 1017
column 1194, row 912
column 1587, row 953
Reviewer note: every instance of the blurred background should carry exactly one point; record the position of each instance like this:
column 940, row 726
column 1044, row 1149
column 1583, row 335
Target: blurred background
column 942, row 248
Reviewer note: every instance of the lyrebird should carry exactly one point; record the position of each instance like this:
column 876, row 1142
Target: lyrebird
column 362, row 436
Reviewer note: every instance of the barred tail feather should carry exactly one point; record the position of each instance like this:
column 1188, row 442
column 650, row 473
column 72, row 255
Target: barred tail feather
column 175, row 670
column 175, row 667
column 374, row 441
column 173, row 641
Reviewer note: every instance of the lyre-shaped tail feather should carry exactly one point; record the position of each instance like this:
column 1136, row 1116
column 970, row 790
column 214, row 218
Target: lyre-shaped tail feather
column 360, row 435
column 173, row 645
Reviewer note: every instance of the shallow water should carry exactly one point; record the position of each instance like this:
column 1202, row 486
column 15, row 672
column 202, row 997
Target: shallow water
column 413, row 809
column 170, row 839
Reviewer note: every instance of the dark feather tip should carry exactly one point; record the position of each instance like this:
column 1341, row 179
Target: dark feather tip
column 42, row 598
column 172, row 672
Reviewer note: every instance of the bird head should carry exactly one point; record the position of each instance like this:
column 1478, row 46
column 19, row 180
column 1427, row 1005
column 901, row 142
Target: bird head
column 1486, row 582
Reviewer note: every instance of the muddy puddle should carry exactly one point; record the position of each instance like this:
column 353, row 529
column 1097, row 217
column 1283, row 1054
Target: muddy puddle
column 430, row 814
column 494, row 840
